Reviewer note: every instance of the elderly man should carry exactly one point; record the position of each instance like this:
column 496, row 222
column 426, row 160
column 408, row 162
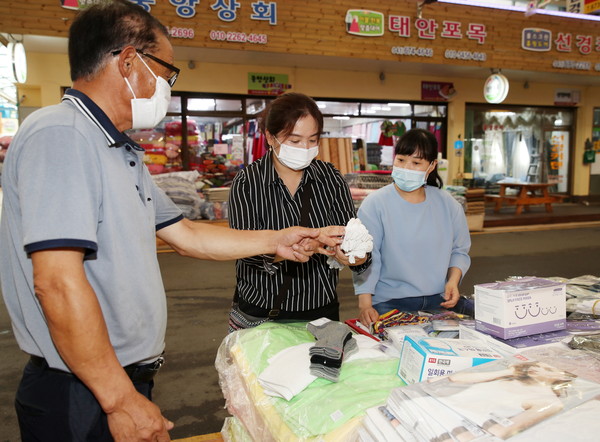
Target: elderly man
column 78, row 261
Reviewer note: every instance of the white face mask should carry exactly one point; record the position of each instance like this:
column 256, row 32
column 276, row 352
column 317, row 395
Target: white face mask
column 296, row 158
column 146, row 113
column 409, row 180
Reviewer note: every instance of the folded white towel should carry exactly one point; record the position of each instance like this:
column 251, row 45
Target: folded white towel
column 288, row 372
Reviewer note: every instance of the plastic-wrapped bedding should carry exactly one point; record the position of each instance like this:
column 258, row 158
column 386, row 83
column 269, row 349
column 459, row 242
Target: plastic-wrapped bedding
column 323, row 411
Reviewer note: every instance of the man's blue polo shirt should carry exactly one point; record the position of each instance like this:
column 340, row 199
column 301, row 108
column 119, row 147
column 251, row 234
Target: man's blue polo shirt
column 71, row 179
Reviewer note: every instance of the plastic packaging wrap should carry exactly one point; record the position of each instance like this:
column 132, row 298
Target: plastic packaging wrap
column 323, row 411
column 498, row 399
column 586, row 342
column 233, row 431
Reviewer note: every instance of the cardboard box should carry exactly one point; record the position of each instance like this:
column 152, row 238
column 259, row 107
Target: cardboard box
column 523, row 307
column 475, row 221
column 509, row 347
column 426, row 357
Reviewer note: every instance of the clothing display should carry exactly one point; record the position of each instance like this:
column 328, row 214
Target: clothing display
column 289, row 371
column 438, row 223
column 520, row 159
column 494, row 163
column 329, row 411
column 260, row 200
column 476, row 159
column 334, row 344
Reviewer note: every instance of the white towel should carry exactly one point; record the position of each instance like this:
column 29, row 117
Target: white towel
column 357, row 243
column 288, row 372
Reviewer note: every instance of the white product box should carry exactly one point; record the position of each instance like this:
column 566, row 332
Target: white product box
column 509, row 347
column 523, row 307
column 426, row 357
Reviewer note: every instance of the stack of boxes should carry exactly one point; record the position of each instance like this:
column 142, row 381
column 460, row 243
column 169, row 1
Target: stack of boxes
column 510, row 316
column 514, row 315
column 475, row 208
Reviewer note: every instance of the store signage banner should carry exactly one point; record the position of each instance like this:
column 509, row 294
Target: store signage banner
column 267, row 84
column 566, row 97
column 559, row 159
column 591, row 7
column 536, row 39
column 437, row 91
column 364, row 23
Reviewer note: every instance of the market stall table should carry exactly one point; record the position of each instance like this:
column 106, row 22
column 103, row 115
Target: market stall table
column 527, row 194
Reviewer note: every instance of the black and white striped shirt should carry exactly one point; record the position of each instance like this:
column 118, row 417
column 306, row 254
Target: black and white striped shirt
column 260, row 200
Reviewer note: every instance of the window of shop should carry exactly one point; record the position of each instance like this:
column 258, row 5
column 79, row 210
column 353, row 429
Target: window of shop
column 518, row 143
column 217, row 134
column 379, row 124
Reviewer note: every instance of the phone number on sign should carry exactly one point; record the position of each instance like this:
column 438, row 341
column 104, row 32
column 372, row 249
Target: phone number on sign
column 181, row 32
column 238, row 37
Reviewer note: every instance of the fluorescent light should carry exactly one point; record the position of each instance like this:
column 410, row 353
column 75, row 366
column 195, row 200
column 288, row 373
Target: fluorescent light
column 200, row 104
column 398, row 104
column 341, row 117
column 487, row 4
column 321, row 105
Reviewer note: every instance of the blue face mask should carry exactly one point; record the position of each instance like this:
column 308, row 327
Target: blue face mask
column 409, row 180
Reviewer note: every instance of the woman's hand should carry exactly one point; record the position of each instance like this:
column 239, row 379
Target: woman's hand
column 341, row 257
column 367, row 314
column 451, row 295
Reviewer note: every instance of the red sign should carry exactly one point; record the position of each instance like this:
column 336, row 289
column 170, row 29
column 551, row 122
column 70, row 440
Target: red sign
column 437, row 91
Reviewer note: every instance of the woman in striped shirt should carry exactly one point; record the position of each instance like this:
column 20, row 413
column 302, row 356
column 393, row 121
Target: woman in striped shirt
column 268, row 195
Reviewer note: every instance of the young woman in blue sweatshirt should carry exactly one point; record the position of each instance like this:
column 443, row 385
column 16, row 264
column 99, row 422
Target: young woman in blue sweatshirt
column 420, row 237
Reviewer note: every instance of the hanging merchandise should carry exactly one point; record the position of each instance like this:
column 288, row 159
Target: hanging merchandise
column 520, row 159
column 387, row 132
column 496, row 165
column 476, row 159
column 399, row 128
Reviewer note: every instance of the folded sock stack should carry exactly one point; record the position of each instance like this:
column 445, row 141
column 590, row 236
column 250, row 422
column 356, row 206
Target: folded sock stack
column 334, row 343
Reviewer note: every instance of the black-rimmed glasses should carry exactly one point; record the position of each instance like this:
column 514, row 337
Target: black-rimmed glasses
column 174, row 70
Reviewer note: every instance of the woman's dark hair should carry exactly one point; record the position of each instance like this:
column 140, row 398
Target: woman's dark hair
column 105, row 27
column 281, row 115
column 422, row 143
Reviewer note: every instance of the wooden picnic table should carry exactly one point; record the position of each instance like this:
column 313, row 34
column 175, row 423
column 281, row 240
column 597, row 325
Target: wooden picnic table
column 527, row 195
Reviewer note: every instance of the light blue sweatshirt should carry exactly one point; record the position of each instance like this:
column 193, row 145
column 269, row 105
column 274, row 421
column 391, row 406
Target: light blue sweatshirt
column 414, row 245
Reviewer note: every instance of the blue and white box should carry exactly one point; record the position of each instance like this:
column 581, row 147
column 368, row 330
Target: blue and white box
column 523, row 307
column 423, row 358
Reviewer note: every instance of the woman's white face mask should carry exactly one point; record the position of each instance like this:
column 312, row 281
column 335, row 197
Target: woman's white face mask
column 296, row 158
column 146, row 113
